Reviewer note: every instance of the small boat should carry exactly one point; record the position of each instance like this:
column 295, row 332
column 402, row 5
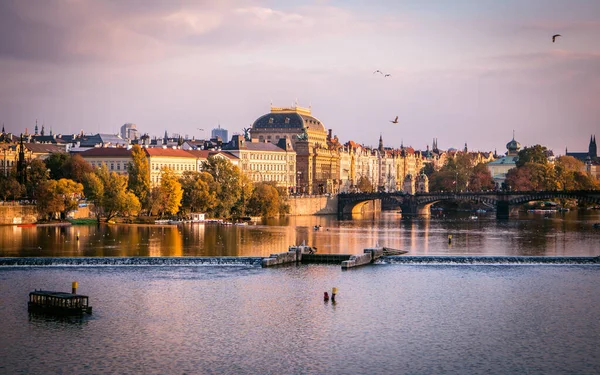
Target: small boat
column 30, row 225
column 473, row 217
column 241, row 223
column 596, row 225
column 161, row 222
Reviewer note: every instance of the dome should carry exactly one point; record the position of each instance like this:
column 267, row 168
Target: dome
column 288, row 119
column 513, row 146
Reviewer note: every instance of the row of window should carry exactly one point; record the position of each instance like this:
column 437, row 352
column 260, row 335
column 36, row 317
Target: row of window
column 173, row 166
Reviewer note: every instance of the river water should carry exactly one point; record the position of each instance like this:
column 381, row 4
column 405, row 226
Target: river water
column 443, row 317
column 558, row 234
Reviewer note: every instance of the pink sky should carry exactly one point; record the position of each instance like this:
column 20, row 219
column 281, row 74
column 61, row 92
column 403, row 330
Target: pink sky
column 461, row 73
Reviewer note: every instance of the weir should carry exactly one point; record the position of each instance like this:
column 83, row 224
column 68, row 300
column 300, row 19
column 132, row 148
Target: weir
column 306, row 258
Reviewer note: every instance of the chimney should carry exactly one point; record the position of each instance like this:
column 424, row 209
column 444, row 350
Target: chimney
column 329, row 135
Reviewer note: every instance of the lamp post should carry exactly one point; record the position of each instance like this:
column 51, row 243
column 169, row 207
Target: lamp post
column 299, row 174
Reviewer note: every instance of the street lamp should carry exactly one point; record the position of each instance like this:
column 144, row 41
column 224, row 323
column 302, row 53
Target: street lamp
column 299, row 173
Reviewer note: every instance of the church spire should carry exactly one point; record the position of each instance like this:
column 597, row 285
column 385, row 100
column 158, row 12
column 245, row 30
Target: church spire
column 36, row 128
column 381, row 143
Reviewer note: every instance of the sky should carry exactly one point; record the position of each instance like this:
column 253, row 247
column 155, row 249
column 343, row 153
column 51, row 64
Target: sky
column 461, row 71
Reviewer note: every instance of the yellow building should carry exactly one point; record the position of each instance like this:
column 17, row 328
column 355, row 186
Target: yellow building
column 115, row 159
column 317, row 155
column 9, row 154
column 266, row 162
column 177, row 160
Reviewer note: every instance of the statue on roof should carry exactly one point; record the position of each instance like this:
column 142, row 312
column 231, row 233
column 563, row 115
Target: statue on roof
column 304, row 135
column 247, row 136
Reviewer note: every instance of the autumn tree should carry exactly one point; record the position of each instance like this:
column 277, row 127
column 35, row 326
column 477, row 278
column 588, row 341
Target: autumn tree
column 139, row 175
column 535, row 154
column 10, row 188
column 116, row 199
column 199, row 191
column 58, row 196
column 169, row 193
column 227, row 178
column 264, row 201
column 246, row 190
column 480, row 178
column 75, row 167
column 364, row 184
column 566, row 169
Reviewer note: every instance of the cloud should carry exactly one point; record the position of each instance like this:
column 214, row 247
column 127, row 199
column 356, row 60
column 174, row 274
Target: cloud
column 66, row 31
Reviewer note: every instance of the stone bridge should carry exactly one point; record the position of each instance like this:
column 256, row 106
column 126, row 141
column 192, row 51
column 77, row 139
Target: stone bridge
column 419, row 204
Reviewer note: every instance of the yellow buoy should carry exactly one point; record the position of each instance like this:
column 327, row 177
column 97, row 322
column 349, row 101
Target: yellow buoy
column 74, row 286
column 334, row 291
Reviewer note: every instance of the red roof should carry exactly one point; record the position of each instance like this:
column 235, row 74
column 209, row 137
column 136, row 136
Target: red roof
column 106, row 151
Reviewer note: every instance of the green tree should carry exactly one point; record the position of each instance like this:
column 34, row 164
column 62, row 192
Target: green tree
column 117, row 200
column 139, row 175
column 93, row 188
column 535, row 154
column 199, row 191
column 227, row 178
column 36, row 174
column 56, row 162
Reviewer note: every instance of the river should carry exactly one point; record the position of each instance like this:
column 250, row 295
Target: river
column 557, row 234
column 435, row 318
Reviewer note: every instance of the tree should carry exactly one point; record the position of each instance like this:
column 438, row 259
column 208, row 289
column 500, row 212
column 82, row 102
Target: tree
column 139, row 175
column 264, row 201
column 116, row 199
column 246, row 190
column 171, row 191
column 75, row 167
column 529, row 177
column 56, row 162
column 536, row 154
column 566, row 168
column 10, row 188
column 199, row 191
column 58, row 196
column 227, row 179
column 481, row 178
column 364, row 184
column 36, row 174
column 93, row 188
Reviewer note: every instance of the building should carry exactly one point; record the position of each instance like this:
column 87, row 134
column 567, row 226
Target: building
column 177, row 160
column 9, row 154
column 266, row 162
column 220, row 133
column 116, row 159
column 500, row 167
column 317, row 153
column 590, row 155
column 129, row 131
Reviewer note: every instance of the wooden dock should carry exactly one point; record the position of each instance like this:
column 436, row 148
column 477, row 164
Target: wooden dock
column 58, row 303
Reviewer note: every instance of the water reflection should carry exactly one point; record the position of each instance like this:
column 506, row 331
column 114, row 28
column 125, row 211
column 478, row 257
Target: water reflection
column 529, row 234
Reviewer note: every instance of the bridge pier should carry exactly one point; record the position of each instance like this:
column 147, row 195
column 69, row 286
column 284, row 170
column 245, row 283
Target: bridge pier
column 502, row 210
column 411, row 208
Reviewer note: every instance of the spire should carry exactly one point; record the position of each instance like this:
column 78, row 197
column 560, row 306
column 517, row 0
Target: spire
column 3, row 128
column 381, row 143
column 165, row 138
column 43, row 130
column 466, row 149
column 513, row 134
column 36, row 128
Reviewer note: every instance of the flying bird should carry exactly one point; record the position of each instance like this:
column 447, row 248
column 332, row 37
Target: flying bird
column 395, row 121
column 554, row 37
column 387, row 75
column 378, row 71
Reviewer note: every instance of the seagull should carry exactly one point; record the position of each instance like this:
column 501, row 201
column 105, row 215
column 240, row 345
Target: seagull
column 554, row 37
column 378, row 71
column 387, row 75
column 395, row 121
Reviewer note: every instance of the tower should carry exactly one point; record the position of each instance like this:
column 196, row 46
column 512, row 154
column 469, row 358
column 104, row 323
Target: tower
column 36, row 128
column 593, row 149
column 381, row 143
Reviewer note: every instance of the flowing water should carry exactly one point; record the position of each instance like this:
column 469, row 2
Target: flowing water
column 469, row 307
